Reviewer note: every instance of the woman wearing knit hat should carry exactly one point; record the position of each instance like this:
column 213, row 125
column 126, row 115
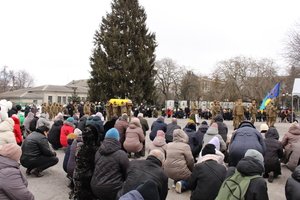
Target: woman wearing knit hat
column 211, row 132
column 208, row 175
column 159, row 142
column 14, row 183
column 134, row 138
column 65, row 130
column 111, row 164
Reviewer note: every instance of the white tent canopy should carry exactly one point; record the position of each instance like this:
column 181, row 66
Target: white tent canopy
column 296, row 87
column 296, row 92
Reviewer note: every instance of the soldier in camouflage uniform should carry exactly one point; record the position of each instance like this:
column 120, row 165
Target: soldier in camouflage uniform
column 253, row 111
column 44, row 108
column 51, row 111
column 87, row 108
column 272, row 114
column 216, row 109
column 238, row 113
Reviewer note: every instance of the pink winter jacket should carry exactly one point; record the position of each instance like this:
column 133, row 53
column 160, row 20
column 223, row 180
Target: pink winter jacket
column 134, row 138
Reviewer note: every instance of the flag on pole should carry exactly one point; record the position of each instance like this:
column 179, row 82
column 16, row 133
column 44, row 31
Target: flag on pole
column 272, row 94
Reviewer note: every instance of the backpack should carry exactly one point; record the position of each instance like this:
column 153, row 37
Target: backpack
column 235, row 187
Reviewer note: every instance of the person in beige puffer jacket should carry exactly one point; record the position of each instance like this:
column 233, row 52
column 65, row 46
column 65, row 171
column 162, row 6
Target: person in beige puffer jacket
column 159, row 143
column 134, row 137
column 6, row 131
column 291, row 145
column 179, row 163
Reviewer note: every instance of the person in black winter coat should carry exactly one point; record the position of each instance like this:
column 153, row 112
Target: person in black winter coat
column 274, row 152
column 36, row 153
column 207, row 177
column 146, row 191
column 84, row 168
column 244, row 138
column 54, row 134
column 170, row 128
column 222, row 127
column 200, row 134
column 82, row 122
column 292, row 186
column 111, row 164
column 251, row 165
column 194, row 140
column 159, row 124
column 140, row 171
column 98, row 124
column 32, row 124
column 110, row 124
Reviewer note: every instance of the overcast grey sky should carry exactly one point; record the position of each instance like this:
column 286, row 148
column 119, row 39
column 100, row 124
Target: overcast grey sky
column 53, row 40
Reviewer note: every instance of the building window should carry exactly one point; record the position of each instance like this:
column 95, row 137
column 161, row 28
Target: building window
column 49, row 99
column 64, row 100
column 58, row 99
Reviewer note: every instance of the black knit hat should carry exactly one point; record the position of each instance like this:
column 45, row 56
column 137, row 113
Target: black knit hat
column 208, row 149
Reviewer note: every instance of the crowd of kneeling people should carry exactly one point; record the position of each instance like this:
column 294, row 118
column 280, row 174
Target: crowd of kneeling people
column 98, row 157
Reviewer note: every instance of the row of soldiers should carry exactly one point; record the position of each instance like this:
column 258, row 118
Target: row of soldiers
column 239, row 112
column 83, row 108
column 52, row 109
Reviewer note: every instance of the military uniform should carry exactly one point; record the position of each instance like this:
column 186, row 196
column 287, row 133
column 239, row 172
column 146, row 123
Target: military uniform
column 238, row 113
column 272, row 115
column 253, row 112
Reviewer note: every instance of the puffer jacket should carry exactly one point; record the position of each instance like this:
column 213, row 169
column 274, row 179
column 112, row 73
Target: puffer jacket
column 195, row 141
column 65, row 130
column 13, row 185
column 158, row 143
column 34, row 146
column 159, row 124
column 43, row 121
column 222, row 127
column 111, row 165
column 206, row 180
column 292, row 186
column 210, row 134
column 96, row 122
column 17, row 130
column 81, row 123
column 257, row 189
column 179, row 163
column 121, row 125
column 246, row 137
column 274, row 152
column 169, row 132
column 6, row 132
column 27, row 120
column 54, row 134
column 134, row 138
column 291, row 137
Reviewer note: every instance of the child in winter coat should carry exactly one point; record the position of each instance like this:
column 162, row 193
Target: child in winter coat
column 274, row 152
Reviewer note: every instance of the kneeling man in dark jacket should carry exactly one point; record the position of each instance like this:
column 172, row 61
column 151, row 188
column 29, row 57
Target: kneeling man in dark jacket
column 140, row 171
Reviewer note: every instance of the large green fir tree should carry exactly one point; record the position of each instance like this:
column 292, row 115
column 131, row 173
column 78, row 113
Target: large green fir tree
column 123, row 57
